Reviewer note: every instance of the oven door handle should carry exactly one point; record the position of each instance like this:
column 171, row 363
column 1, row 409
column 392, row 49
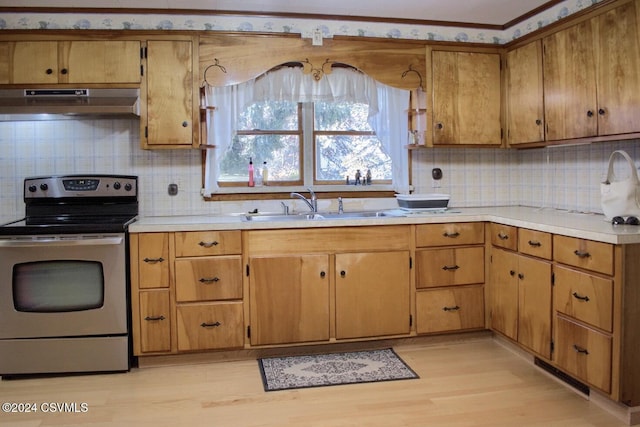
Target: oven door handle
column 51, row 242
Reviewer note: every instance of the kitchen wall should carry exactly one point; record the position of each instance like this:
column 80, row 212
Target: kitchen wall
column 560, row 177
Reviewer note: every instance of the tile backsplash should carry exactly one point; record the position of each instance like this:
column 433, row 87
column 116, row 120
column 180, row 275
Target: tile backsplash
column 559, row 177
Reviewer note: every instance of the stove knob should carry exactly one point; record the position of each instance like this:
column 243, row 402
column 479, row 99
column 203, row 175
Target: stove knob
column 32, row 188
column 128, row 187
column 116, row 185
column 44, row 187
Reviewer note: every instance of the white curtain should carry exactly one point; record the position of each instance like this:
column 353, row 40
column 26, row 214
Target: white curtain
column 387, row 111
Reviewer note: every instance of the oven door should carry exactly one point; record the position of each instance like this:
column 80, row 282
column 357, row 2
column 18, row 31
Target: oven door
column 62, row 286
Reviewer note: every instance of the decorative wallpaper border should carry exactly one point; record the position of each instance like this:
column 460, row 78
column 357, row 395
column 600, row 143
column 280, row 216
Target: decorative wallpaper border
column 305, row 27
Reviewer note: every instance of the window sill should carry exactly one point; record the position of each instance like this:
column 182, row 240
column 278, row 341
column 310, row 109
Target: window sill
column 277, row 192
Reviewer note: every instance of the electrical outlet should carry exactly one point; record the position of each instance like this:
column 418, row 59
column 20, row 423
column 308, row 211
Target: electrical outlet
column 172, row 189
column 436, row 176
column 317, row 37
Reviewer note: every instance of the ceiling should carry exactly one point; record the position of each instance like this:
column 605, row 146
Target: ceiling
column 491, row 13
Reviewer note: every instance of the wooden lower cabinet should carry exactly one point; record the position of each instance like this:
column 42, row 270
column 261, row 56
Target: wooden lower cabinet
column 155, row 321
column 450, row 309
column 289, row 299
column 584, row 353
column 208, row 326
column 372, row 294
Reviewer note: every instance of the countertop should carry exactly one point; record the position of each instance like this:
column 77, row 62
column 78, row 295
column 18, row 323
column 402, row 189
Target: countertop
column 581, row 225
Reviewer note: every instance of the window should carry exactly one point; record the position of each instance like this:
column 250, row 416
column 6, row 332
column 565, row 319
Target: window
column 336, row 141
column 309, row 131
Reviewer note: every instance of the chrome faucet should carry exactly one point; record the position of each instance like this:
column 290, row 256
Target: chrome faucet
column 312, row 202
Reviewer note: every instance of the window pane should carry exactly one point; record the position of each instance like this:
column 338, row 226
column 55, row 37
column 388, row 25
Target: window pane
column 281, row 152
column 337, row 116
column 339, row 156
column 270, row 115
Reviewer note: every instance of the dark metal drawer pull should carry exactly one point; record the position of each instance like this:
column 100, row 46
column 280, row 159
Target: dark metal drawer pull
column 452, row 268
column 580, row 350
column 534, row 244
column 580, row 297
column 455, row 308
column 582, row 254
column 209, row 279
column 153, row 260
column 208, row 244
column 503, row 236
column 210, row 325
column 452, row 235
column 149, row 318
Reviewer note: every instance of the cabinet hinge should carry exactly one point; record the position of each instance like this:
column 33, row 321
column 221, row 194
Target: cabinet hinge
column 410, row 263
column 552, row 346
column 146, row 132
column 553, row 279
column 143, row 52
column 410, row 320
column 247, row 270
column 248, row 331
column 501, row 133
column 142, row 70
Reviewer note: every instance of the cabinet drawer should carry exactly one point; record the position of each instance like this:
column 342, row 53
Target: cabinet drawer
column 210, row 326
column 203, row 243
column 504, row 236
column 155, row 321
column 453, row 266
column 459, row 233
column 584, row 353
column 153, row 260
column 208, row 278
column 450, row 309
column 536, row 243
column 587, row 254
column 584, row 297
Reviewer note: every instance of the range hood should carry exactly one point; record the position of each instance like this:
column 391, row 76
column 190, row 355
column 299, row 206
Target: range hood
column 55, row 104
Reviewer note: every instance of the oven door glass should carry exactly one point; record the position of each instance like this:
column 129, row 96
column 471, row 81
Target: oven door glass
column 58, row 286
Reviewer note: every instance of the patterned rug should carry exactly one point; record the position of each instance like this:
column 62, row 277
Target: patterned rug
column 283, row 373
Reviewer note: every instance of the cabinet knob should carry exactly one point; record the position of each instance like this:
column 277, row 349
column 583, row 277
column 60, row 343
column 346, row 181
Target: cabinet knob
column 343, row 273
column 439, row 126
column 322, row 274
column 512, row 273
column 520, row 276
column 185, row 124
column 64, row 71
column 601, row 111
column 538, row 122
column 49, row 71
column 589, row 113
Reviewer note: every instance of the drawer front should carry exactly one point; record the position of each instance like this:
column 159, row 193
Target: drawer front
column 155, row 322
column 153, row 260
column 203, row 243
column 536, row 243
column 584, row 297
column 458, row 233
column 584, row 353
column 450, row 309
column 208, row 278
column 452, row 266
column 581, row 253
column 504, row 236
column 210, row 326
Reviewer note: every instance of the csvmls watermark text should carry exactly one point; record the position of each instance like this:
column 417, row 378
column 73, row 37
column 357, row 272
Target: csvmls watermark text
column 47, row 407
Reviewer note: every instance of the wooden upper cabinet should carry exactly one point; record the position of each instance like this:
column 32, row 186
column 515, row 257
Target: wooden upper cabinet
column 167, row 117
column 525, row 108
column 466, row 98
column 592, row 77
column 75, row 62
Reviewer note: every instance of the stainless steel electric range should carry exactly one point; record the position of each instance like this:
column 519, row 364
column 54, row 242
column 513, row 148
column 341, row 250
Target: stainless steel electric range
column 64, row 276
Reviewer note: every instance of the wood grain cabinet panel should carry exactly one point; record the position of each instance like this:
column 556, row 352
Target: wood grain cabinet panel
column 208, row 243
column 450, row 309
column 583, row 253
column 153, row 260
column 208, row 278
column 155, row 321
column 535, row 243
column 504, row 236
column 452, row 266
column 449, row 234
column 208, row 326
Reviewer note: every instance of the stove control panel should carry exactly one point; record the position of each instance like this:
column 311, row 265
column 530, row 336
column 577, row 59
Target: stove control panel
column 54, row 187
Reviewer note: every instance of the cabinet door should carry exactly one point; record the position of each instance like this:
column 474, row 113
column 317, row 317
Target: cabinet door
column 209, row 326
column 525, row 108
column 289, row 299
column 450, row 266
column 466, row 98
column 169, row 93
column 450, row 309
column 155, row 322
column 208, row 278
column 153, row 260
column 618, row 71
column 372, row 294
column 569, row 83
column 504, row 292
column 100, row 61
column 35, row 62
column 534, row 308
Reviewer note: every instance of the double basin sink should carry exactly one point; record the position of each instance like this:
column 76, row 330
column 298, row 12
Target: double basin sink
column 317, row 216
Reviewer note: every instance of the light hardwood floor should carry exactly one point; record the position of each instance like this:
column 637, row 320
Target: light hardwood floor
column 475, row 382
